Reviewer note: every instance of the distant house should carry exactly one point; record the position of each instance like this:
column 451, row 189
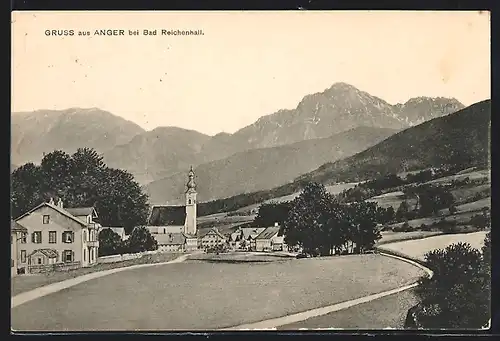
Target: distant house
column 171, row 242
column 212, row 238
column 118, row 230
column 66, row 237
column 267, row 238
column 16, row 233
column 244, row 236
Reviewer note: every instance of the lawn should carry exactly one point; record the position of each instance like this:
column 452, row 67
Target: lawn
column 393, row 199
column 25, row 283
column 392, row 237
column 385, row 312
column 460, row 218
column 485, row 173
column 205, row 295
column 418, row 248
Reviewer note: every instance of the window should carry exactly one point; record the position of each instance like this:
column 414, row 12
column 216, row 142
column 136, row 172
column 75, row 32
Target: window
column 68, row 237
column 52, row 237
column 23, row 238
column 46, row 219
column 84, row 255
column 189, row 201
column 23, row 256
column 36, row 237
column 85, row 235
column 11, row 263
column 68, row 256
column 39, row 261
column 11, row 239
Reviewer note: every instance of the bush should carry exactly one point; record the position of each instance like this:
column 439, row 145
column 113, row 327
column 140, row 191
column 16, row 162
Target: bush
column 424, row 227
column 403, row 228
column 458, row 295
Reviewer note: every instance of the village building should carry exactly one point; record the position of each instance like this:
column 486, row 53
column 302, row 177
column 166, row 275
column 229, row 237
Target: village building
column 58, row 237
column 212, row 239
column 118, row 230
column 268, row 239
column 16, row 233
column 243, row 236
column 171, row 225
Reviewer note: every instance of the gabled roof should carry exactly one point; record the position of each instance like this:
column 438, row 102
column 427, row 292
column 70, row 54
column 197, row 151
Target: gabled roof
column 16, row 227
column 117, row 230
column 82, row 211
column 213, row 230
column 251, row 231
column 56, row 208
column 170, row 238
column 167, row 215
column 47, row 252
column 268, row 233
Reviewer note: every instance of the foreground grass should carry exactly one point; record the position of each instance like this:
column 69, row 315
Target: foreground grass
column 201, row 295
column 23, row 283
column 385, row 312
column 418, row 248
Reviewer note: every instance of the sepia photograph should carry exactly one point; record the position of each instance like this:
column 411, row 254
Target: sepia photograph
column 250, row 170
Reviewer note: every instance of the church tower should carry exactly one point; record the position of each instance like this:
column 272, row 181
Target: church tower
column 190, row 224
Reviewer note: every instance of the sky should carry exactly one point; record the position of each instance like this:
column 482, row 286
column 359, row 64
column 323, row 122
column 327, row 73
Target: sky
column 245, row 65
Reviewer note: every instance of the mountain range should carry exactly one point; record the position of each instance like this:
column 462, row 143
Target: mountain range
column 459, row 139
column 161, row 156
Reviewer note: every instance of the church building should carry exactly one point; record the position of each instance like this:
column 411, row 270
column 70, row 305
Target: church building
column 171, row 225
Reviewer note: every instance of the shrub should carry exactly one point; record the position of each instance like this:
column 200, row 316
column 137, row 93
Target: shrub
column 458, row 295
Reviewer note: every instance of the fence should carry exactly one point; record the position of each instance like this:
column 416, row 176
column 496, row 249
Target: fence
column 124, row 257
column 36, row 269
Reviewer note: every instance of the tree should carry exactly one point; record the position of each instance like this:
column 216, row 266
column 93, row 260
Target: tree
column 458, row 294
column 110, row 243
column 307, row 218
column 402, row 211
column 81, row 179
column 364, row 225
column 141, row 240
column 25, row 189
column 433, row 199
column 273, row 212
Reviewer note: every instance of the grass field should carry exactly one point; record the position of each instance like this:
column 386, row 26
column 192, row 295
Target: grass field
column 462, row 194
column 393, row 199
column 460, row 218
column 204, row 295
column 485, row 173
column 24, row 283
column 392, row 237
column 385, row 312
column 418, row 248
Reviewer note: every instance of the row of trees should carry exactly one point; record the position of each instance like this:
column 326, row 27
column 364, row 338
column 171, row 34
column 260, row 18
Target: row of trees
column 140, row 240
column 459, row 293
column 80, row 179
column 321, row 225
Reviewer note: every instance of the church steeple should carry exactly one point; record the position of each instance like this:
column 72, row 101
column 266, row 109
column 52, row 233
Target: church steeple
column 190, row 225
column 191, row 185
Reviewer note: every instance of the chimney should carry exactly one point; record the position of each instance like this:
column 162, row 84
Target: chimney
column 276, row 224
column 60, row 203
column 51, row 201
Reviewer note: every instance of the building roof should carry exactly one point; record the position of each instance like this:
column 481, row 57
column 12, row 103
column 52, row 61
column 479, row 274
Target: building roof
column 16, row 227
column 251, row 231
column 213, row 230
column 56, row 208
column 167, row 215
column 117, row 230
column 82, row 211
column 268, row 233
column 51, row 253
column 170, row 238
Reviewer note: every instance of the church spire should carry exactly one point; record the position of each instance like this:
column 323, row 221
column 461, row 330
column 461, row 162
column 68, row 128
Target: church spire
column 191, row 185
